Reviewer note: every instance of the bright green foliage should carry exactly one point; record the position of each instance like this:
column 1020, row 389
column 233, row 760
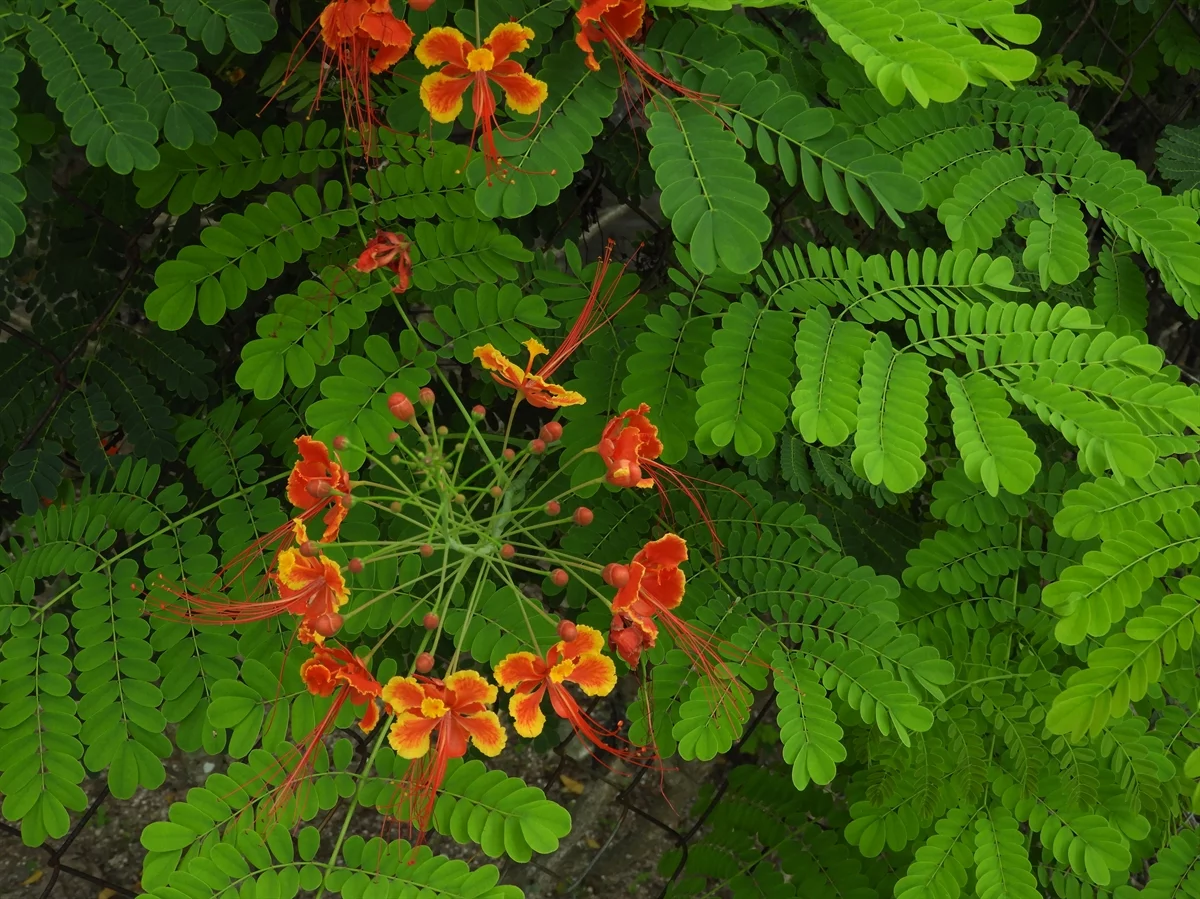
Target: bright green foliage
column 916, row 340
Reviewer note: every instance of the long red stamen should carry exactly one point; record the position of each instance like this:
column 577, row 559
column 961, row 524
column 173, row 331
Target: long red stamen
column 303, row 767
column 701, row 648
column 589, row 731
column 595, row 313
column 622, row 51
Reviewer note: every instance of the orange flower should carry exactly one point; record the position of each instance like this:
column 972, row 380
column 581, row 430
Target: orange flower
column 457, row 708
column 655, row 586
column 629, row 448
column 579, row 662
column 390, row 251
column 316, row 483
column 629, row 441
column 361, row 38
column 464, row 66
column 615, row 22
column 338, row 673
column 535, row 387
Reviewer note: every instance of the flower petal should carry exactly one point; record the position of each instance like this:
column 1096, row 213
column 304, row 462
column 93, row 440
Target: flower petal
column 441, row 45
column 495, row 361
column 526, row 711
column 535, row 348
column 508, row 38
column 403, row 694
column 317, row 677
column 627, row 595
column 541, row 393
column 587, row 639
column 583, row 40
column 409, row 735
column 442, row 96
column 669, row 549
column 370, row 717
column 333, row 518
column 595, row 674
column 296, row 571
column 486, row 733
column 626, row 17
column 523, row 93
column 518, row 667
column 469, row 687
column 314, row 464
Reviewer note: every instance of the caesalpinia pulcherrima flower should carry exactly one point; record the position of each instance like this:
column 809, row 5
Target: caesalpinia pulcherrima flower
column 458, row 710
column 466, row 66
column 362, row 38
column 629, row 447
column 615, row 22
column 579, row 661
column 317, row 483
column 535, row 387
column 338, row 673
column 389, row 251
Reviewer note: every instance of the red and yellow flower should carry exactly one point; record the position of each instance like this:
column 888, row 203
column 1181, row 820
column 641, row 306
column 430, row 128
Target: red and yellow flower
column 365, row 35
column 627, row 444
column 580, row 661
column 458, row 710
column 338, row 673
column 318, row 482
column 656, row 585
column 390, row 251
column 466, row 66
column 615, row 23
column 312, row 587
column 535, row 387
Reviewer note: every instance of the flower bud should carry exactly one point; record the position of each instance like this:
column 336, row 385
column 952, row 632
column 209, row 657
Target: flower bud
column 430, row 621
column 537, row 446
column 327, row 624
column 426, row 396
column 443, row 430
column 551, row 432
column 567, row 630
column 340, row 442
column 496, row 490
column 310, row 549
column 553, row 507
column 478, row 412
column 426, row 550
column 509, row 454
column 318, row 489
column 583, row 516
column 393, row 437
column 424, row 663
column 559, row 577
column 401, row 406
column 507, row 551
column 615, row 574
column 355, row 565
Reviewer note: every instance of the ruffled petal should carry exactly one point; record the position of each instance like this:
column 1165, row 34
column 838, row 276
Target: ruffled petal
column 334, row 582
column 583, row 40
column 389, row 55
column 295, row 571
column 627, row 595
column 535, row 348
column 587, row 639
column 356, row 676
column 370, row 717
column 470, row 687
column 442, row 44
column 526, row 711
column 669, row 549
column 523, row 93
column 508, row 38
column 403, row 694
column 595, row 674
column 590, row 11
column 518, row 667
column 506, row 371
column 409, row 735
column 314, row 465
column 442, row 96
column 333, row 518
column 487, row 735
column 626, row 17
column 317, row 677
column 541, row 393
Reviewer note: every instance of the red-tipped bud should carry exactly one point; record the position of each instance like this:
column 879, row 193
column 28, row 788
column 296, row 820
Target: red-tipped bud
column 327, row 624
column 424, row 663
column 347, row 501
column 310, row 548
column 420, row 5
column 553, row 507
column 615, row 574
column 478, row 412
column 340, row 442
column 393, row 437
column 510, row 454
column 496, row 490
column 551, row 432
column 355, row 565
column 426, row 550
column 318, row 489
column 567, row 630
column 537, row 446
column 583, row 516
column 426, row 396
column 395, row 505
column 430, row 621
column 507, row 551
column 401, row 406
column 559, row 577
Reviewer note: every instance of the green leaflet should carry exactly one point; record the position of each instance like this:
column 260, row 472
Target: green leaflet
column 890, row 438
column 12, row 191
column 709, row 192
